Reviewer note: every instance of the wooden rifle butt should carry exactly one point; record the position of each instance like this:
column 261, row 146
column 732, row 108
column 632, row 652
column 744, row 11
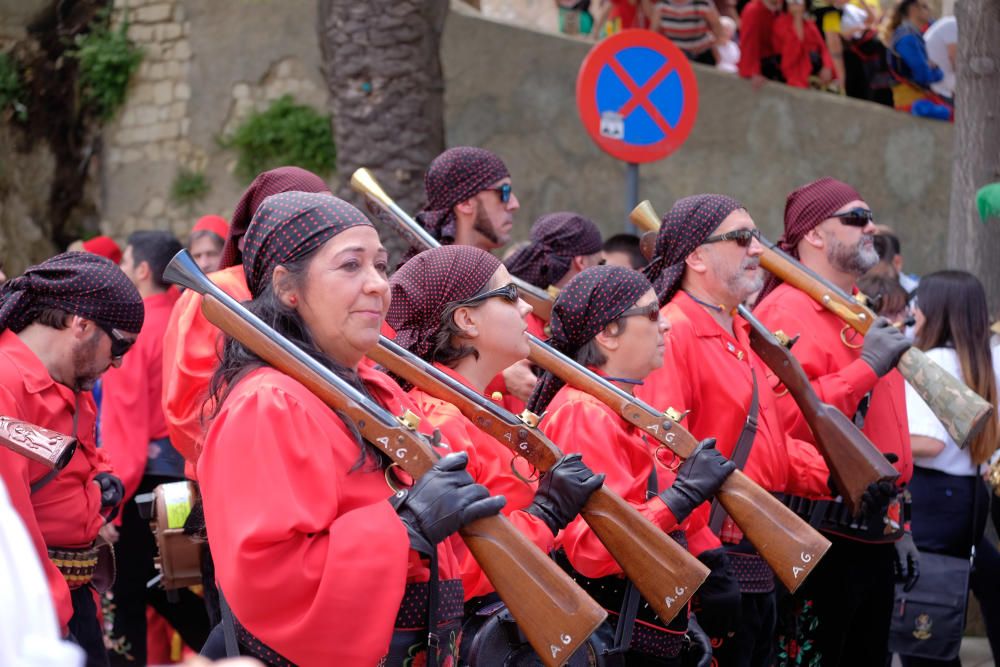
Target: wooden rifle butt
column 662, row 570
column 535, row 591
column 790, row 546
column 963, row 412
column 50, row 448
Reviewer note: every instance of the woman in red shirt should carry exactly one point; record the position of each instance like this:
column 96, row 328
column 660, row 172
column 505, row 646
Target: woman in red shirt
column 318, row 566
column 802, row 49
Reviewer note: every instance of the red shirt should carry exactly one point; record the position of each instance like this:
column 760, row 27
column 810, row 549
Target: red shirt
column 756, row 22
column 312, row 557
column 66, row 511
column 838, row 374
column 191, row 350
column 131, row 407
column 707, row 370
column 490, row 464
column 796, row 66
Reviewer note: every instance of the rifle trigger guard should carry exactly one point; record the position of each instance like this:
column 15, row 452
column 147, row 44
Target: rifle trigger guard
column 390, row 479
column 843, row 337
column 529, row 481
column 675, row 461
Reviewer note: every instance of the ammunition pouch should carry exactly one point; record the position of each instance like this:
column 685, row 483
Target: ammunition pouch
column 832, row 516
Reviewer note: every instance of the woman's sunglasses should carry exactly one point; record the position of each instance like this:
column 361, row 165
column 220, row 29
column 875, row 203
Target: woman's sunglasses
column 507, row 292
column 856, row 217
column 742, row 237
column 650, row 311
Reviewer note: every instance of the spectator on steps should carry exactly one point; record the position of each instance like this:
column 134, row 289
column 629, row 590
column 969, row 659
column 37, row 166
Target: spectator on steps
column 758, row 60
column 801, row 48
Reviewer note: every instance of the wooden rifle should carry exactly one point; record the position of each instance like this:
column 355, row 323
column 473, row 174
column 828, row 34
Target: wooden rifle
column 663, row 571
column 50, row 448
column 963, row 412
column 852, row 459
column 555, row 615
column 379, row 202
column 789, row 545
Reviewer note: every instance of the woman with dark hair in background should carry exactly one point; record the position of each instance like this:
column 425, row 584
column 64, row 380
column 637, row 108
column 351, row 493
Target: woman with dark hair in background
column 953, row 328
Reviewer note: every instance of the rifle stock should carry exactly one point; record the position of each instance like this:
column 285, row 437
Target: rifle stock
column 663, row 571
column 963, row 412
column 50, row 448
column 555, row 615
column 854, row 462
column 789, row 545
column 379, row 202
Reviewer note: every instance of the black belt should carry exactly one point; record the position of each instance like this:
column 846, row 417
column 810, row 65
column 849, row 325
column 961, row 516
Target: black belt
column 832, row 516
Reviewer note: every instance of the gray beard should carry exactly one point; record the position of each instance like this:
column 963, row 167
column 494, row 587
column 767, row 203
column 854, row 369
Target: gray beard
column 855, row 260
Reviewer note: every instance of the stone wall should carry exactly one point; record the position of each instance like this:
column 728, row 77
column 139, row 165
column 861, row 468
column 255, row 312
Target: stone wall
column 512, row 90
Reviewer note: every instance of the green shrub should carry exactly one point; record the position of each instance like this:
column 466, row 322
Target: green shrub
column 107, row 58
column 285, row 133
column 12, row 91
column 189, row 186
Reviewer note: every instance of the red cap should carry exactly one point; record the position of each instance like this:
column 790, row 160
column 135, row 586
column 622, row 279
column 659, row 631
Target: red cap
column 104, row 246
column 212, row 223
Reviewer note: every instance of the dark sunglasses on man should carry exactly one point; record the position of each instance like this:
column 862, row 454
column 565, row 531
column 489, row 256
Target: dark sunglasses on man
column 742, row 237
column 504, row 191
column 119, row 343
column 856, row 217
column 508, row 292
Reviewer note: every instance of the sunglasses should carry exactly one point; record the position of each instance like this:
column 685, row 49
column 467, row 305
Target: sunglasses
column 508, row 292
column 743, row 237
column 504, row 190
column 856, row 217
column 119, row 343
column 650, row 311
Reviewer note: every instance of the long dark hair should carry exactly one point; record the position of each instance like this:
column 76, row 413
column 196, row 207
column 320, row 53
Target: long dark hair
column 954, row 305
column 238, row 361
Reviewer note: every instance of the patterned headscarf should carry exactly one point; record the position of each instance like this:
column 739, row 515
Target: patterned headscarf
column 275, row 181
column 805, row 208
column 290, row 225
column 684, row 228
column 454, row 176
column 80, row 283
column 424, row 285
column 556, row 239
column 592, row 300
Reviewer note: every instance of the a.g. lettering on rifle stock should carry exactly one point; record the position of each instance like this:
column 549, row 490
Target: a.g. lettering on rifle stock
column 789, row 545
column 665, row 574
column 364, row 182
column 854, row 462
column 554, row 614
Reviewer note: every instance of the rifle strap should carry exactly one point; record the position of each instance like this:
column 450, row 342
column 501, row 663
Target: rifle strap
column 859, row 416
column 51, row 475
column 740, row 454
column 228, row 627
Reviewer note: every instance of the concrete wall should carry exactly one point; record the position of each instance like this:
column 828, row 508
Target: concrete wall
column 513, row 91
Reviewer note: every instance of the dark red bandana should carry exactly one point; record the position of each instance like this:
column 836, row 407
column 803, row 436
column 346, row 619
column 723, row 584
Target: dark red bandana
column 290, row 225
column 592, row 300
column 80, row 283
column 684, row 228
column 423, row 286
column 275, row 181
column 805, row 208
column 454, row 176
column 556, row 239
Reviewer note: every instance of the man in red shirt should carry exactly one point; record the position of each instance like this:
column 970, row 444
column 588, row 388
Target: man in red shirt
column 830, row 228
column 706, row 263
column 134, row 434
column 757, row 54
column 62, row 324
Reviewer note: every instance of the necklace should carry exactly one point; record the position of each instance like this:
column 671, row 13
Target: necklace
column 716, row 307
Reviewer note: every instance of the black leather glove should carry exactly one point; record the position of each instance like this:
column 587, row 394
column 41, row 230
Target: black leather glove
column 699, row 650
column 907, row 565
column 698, row 478
column 718, row 602
column 884, row 345
column 112, row 489
column 442, row 501
column 562, row 491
